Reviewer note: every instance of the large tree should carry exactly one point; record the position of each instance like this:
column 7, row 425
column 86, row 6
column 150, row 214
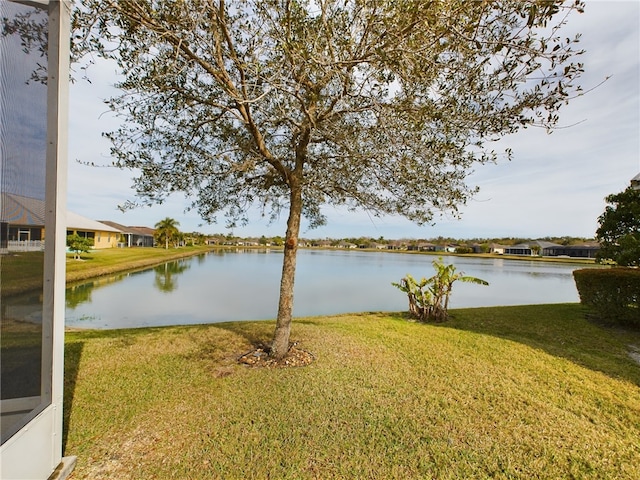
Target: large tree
column 289, row 105
column 619, row 230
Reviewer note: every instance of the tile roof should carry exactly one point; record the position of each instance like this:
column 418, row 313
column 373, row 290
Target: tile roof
column 19, row 210
column 83, row 223
column 144, row 231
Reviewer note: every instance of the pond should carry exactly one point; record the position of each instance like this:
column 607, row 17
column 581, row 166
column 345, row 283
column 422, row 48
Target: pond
column 231, row 285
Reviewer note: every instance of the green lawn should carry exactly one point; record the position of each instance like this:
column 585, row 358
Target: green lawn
column 511, row 392
column 21, row 272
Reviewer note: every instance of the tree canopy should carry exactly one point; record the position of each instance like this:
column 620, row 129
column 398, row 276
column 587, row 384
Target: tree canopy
column 619, row 230
column 79, row 245
column 289, row 105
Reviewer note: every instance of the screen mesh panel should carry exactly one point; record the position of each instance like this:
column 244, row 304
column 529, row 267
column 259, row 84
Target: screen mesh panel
column 24, row 374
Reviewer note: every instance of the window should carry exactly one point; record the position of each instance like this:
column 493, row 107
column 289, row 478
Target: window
column 86, row 234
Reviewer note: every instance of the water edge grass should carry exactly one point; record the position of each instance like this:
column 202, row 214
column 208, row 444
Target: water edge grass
column 114, row 260
column 509, row 392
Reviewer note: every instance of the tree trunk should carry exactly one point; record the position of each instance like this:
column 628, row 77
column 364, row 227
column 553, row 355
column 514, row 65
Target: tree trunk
column 280, row 344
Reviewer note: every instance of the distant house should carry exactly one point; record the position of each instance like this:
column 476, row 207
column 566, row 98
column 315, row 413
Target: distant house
column 396, row 245
column 422, row 247
column 478, row 248
column 214, row 240
column 143, row 236
column 536, row 247
column 22, row 225
column 133, row 236
column 586, row 250
column 635, row 182
column 497, row 248
column 104, row 236
column 550, row 249
column 321, row 243
column 519, row 249
column 21, row 222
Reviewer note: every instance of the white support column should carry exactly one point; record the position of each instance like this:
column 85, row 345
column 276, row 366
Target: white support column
column 56, row 206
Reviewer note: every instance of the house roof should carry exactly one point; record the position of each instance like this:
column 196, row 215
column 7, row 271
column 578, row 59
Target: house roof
column 142, row 231
column 83, row 223
column 581, row 246
column 19, row 210
column 539, row 243
column 545, row 244
column 119, row 227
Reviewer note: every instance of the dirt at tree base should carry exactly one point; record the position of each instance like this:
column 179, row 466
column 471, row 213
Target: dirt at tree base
column 259, row 357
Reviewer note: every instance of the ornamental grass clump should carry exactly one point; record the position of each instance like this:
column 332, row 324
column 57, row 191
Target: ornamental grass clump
column 429, row 298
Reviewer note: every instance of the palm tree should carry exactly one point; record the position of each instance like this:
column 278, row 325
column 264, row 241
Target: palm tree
column 429, row 298
column 166, row 230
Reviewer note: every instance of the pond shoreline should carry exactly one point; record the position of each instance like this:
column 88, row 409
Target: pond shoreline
column 89, row 272
column 213, row 287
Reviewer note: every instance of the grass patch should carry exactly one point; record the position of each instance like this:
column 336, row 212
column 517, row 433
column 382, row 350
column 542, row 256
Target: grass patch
column 21, row 272
column 510, row 392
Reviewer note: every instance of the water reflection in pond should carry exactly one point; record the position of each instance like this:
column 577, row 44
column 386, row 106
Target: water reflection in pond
column 243, row 285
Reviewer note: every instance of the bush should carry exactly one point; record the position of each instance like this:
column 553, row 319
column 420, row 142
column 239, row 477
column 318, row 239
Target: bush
column 613, row 294
column 79, row 245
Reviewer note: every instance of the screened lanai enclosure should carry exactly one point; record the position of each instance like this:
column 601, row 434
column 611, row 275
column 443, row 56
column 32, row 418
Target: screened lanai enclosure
column 34, row 72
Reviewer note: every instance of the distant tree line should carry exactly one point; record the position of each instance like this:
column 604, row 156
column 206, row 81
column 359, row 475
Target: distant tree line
column 483, row 243
column 167, row 233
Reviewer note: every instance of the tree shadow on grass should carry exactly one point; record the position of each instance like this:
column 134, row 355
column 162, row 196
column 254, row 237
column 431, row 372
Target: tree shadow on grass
column 561, row 330
column 256, row 333
column 259, row 335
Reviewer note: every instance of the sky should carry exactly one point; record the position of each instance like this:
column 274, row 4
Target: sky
column 555, row 184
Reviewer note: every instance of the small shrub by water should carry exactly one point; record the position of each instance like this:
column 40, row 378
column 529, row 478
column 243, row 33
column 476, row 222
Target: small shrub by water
column 429, row 298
